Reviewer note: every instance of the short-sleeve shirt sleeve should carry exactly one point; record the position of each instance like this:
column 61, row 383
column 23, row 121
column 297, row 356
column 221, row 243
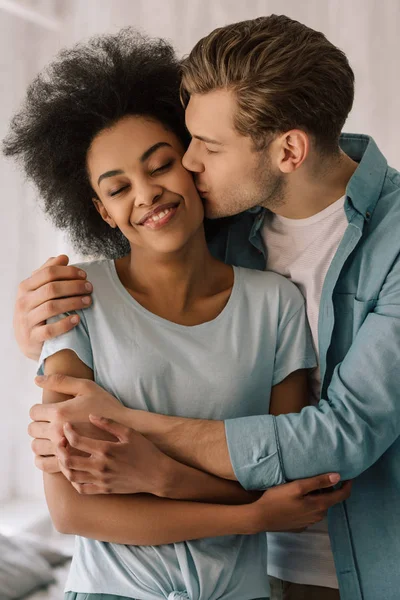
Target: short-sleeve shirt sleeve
column 294, row 348
column 77, row 339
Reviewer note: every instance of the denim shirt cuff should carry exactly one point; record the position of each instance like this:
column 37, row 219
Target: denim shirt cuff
column 254, row 451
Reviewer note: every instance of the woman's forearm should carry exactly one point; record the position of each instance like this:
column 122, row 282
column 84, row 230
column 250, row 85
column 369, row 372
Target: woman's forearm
column 181, row 482
column 140, row 519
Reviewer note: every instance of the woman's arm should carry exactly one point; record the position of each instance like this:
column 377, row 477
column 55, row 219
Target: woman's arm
column 290, row 395
column 147, row 520
column 159, row 520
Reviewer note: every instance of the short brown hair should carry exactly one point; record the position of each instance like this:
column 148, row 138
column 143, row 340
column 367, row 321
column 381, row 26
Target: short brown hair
column 284, row 74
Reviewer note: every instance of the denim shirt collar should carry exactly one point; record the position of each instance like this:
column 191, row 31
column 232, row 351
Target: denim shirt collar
column 365, row 186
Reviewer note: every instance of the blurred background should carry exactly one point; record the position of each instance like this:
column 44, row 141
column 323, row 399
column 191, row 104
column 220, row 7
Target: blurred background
column 32, row 31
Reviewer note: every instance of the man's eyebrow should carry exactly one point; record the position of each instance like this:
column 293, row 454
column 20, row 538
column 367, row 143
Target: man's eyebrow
column 142, row 159
column 207, row 140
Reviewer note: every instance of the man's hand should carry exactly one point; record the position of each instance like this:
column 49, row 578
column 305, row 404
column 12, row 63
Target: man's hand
column 130, row 465
column 52, row 289
column 49, row 419
column 298, row 504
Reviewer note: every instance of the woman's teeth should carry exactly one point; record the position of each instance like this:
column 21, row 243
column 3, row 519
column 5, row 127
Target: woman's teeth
column 159, row 215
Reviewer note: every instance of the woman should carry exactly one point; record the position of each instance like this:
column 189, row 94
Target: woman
column 102, row 135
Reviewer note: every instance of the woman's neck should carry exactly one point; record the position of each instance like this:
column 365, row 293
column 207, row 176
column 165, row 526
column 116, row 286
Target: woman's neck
column 181, row 277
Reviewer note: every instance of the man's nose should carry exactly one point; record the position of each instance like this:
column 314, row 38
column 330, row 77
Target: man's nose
column 191, row 160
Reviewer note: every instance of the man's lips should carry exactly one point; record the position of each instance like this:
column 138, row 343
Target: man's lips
column 200, row 188
column 157, row 210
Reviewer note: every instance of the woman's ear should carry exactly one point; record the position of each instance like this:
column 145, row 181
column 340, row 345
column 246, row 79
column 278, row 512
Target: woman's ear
column 103, row 212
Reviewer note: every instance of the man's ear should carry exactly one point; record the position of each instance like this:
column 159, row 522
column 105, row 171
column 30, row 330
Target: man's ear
column 103, row 212
column 293, row 149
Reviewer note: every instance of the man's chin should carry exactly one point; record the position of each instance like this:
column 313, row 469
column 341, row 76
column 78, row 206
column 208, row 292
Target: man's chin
column 213, row 211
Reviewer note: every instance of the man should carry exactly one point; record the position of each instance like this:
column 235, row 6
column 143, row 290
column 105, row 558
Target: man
column 266, row 101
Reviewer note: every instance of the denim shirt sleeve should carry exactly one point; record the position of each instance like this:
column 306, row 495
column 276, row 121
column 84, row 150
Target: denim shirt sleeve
column 349, row 430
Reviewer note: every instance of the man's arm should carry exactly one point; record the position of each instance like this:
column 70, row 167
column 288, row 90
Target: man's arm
column 361, row 410
column 179, row 481
column 143, row 520
column 182, row 438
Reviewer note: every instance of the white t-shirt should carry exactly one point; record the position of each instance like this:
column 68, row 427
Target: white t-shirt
column 302, row 250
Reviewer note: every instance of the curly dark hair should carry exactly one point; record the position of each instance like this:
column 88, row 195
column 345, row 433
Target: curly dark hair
column 85, row 89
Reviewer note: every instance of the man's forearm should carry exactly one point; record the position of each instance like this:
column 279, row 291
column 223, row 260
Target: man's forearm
column 195, row 442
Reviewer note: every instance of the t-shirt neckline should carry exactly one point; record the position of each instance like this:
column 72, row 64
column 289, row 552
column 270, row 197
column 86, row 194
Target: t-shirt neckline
column 320, row 216
column 123, row 292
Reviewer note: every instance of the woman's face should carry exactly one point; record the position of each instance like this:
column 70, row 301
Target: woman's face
column 136, row 170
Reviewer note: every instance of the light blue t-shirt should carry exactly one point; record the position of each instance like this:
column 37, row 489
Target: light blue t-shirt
column 221, row 369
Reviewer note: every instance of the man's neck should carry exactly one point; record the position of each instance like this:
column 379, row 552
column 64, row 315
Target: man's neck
column 309, row 192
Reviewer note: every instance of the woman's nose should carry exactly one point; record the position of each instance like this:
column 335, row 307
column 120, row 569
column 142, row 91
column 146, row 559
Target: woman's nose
column 147, row 196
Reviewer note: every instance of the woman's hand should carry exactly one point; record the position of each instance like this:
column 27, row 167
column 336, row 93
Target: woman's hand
column 298, row 504
column 130, row 465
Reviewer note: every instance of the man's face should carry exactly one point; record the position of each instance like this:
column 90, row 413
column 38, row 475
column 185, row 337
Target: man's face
column 230, row 175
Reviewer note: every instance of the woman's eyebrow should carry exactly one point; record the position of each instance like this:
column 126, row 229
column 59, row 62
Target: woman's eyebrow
column 142, row 159
column 152, row 149
column 109, row 174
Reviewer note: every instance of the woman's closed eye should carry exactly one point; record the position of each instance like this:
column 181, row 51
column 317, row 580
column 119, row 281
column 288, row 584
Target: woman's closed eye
column 157, row 171
column 163, row 168
column 118, row 191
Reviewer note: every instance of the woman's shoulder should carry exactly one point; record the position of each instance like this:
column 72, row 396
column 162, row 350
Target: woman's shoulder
column 269, row 282
column 267, row 288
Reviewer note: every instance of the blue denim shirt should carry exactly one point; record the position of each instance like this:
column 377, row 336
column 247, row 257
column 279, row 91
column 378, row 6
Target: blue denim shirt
column 355, row 428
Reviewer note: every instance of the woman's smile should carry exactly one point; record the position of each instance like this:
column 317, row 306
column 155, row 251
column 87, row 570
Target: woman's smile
column 160, row 216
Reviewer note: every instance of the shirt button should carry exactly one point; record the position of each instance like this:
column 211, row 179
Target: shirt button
column 367, row 215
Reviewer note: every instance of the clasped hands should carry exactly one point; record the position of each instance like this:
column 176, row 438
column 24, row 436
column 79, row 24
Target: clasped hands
column 97, row 454
column 126, row 462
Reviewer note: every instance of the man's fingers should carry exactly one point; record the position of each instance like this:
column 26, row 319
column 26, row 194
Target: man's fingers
column 39, row 429
column 48, row 464
column 61, row 259
column 312, row 484
column 53, row 289
column 52, row 308
column 52, row 273
column 43, row 447
column 43, row 412
column 72, row 386
column 119, row 431
column 41, row 333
